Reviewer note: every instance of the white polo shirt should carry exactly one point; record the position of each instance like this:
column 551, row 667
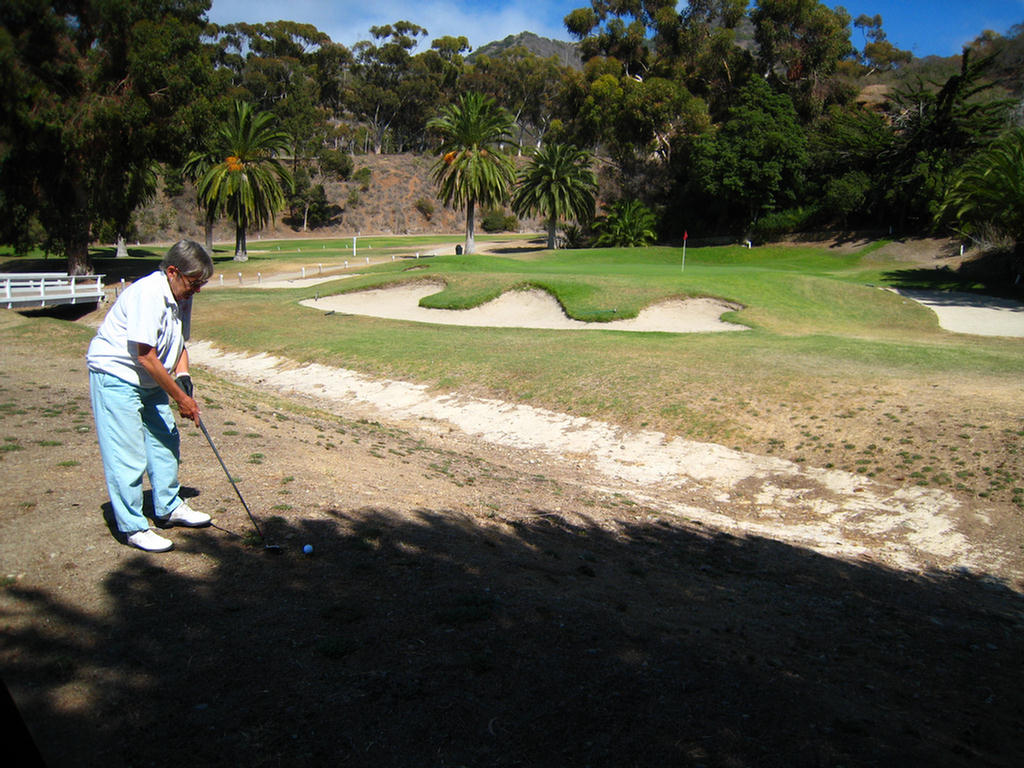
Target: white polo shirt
column 146, row 313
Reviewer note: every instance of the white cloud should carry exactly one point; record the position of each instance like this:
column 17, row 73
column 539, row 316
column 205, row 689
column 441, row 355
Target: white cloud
column 347, row 23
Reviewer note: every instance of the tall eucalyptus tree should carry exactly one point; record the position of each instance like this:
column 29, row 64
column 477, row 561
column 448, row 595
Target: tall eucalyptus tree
column 91, row 94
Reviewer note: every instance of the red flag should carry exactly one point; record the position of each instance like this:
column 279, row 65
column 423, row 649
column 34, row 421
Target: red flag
column 685, row 234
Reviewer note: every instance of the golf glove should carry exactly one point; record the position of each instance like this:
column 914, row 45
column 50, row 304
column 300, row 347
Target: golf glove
column 185, row 382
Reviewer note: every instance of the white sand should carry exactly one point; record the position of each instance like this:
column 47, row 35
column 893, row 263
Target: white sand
column 525, row 309
column 956, row 312
column 833, row 512
column 973, row 314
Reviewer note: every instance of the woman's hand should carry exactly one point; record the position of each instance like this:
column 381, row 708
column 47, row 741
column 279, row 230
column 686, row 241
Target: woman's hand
column 187, row 407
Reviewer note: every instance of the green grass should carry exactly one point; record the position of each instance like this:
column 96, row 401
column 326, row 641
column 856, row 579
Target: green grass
column 811, row 321
column 266, row 257
column 823, row 340
column 785, row 290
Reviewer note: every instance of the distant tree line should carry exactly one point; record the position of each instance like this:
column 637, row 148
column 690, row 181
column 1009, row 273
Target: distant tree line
column 720, row 118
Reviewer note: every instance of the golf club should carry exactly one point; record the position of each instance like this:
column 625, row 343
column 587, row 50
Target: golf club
column 272, row 548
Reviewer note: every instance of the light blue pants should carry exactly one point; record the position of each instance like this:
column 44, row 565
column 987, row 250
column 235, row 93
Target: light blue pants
column 137, row 436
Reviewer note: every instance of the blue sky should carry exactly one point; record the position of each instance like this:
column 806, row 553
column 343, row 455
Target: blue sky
column 922, row 26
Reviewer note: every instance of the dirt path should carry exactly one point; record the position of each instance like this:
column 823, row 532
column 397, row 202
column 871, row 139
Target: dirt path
column 491, row 585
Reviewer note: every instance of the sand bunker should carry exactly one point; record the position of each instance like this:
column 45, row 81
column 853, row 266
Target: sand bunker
column 526, row 309
column 971, row 313
column 827, row 510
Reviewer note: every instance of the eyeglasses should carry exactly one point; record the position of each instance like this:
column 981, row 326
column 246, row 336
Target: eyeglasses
column 193, row 283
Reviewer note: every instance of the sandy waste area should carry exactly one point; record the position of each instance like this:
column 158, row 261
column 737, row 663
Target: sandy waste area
column 830, row 511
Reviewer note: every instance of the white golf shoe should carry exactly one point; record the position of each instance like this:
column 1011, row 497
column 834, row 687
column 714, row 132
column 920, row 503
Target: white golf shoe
column 150, row 541
column 185, row 516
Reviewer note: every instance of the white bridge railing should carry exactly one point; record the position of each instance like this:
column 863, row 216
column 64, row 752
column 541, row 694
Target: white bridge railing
column 26, row 290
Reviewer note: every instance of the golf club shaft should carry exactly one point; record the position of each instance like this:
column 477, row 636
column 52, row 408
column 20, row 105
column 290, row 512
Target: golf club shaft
column 230, row 479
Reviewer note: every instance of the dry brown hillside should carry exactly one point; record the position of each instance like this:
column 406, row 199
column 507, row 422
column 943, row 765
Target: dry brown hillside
column 388, row 202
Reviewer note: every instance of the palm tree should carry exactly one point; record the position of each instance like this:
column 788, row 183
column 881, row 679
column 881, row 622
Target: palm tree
column 628, row 224
column 195, row 168
column 558, row 184
column 471, row 170
column 246, row 184
column 988, row 190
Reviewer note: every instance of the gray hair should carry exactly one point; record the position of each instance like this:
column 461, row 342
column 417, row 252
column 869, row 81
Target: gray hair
column 190, row 258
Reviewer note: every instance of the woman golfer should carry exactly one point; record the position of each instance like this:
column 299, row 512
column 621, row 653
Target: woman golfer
column 137, row 363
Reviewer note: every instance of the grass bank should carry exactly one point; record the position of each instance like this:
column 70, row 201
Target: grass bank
column 832, row 371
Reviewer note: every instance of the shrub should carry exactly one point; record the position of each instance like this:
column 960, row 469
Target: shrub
column 574, row 236
column 336, row 163
column 627, row 224
column 496, row 220
column 771, row 225
column 363, row 176
column 321, row 212
column 846, row 195
column 425, row 207
column 174, row 184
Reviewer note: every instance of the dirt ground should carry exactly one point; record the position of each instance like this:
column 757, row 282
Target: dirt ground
column 473, row 602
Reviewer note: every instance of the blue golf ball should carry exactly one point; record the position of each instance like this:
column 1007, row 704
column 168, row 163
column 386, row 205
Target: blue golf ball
column 308, row 549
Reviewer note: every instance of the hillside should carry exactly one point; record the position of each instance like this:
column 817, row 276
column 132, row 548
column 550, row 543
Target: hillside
column 567, row 53
column 395, row 196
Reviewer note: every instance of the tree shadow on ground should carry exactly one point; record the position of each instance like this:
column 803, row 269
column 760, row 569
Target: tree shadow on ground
column 131, row 269
column 532, row 245
column 840, row 238
column 994, row 273
column 140, row 262
column 516, row 250
column 932, row 279
column 442, row 639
